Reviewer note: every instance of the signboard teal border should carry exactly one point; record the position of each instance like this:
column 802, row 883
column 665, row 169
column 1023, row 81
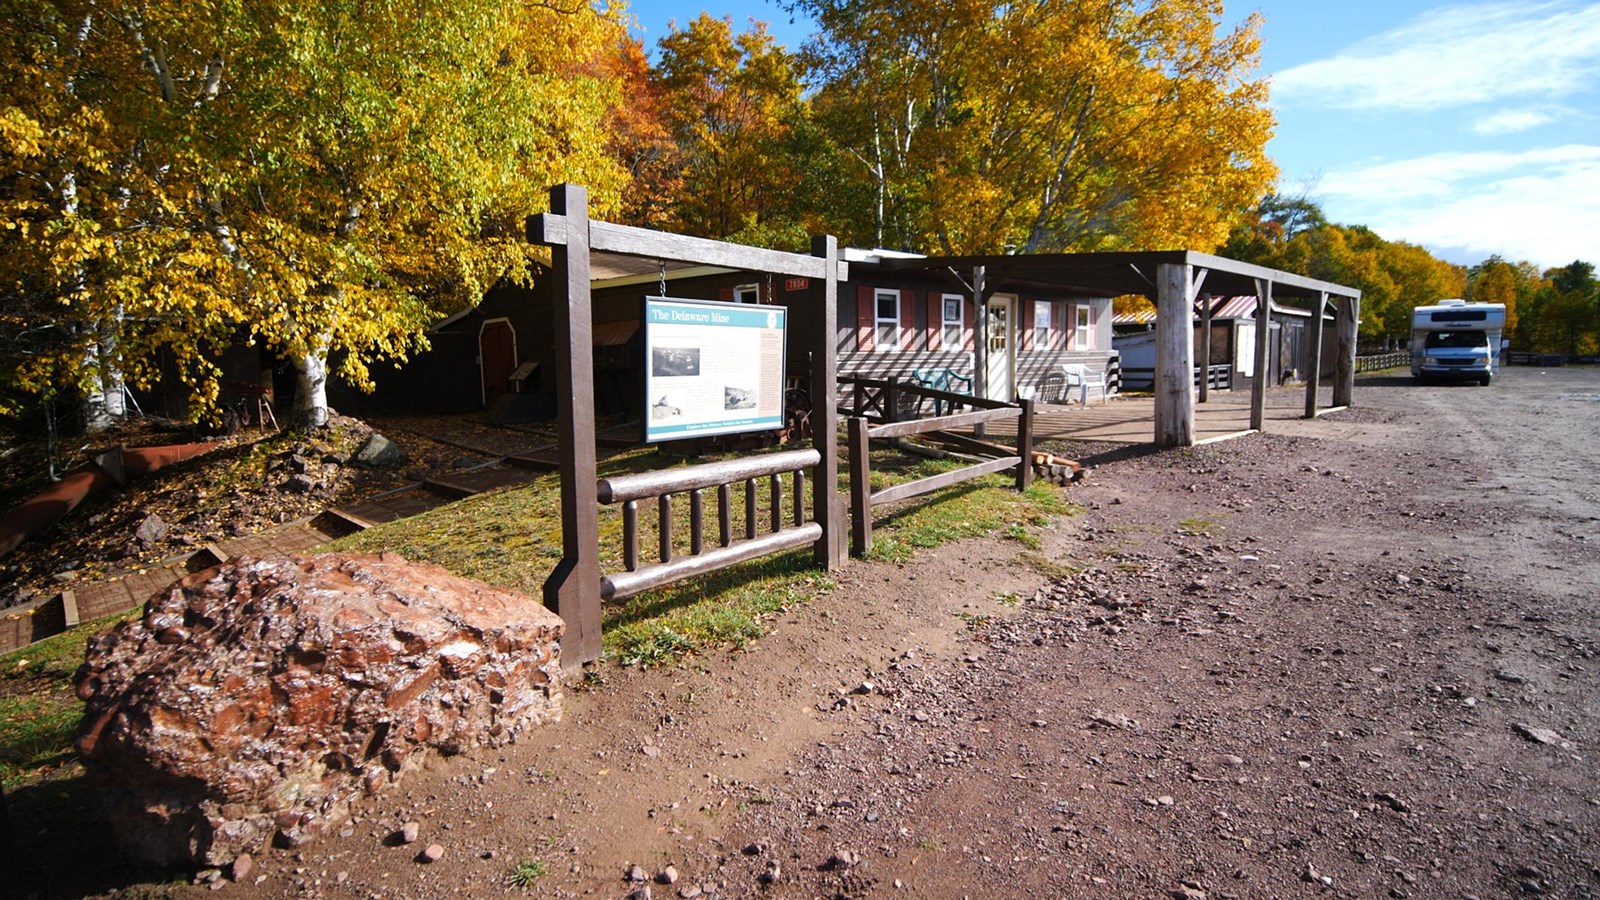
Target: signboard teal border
column 702, row 365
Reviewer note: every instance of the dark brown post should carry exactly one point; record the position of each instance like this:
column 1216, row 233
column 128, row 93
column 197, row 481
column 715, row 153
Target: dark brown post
column 573, row 589
column 1259, row 384
column 1025, row 446
column 1348, row 320
column 825, row 406
column 860, row 488
column 1316, row 356
column 1204, row 348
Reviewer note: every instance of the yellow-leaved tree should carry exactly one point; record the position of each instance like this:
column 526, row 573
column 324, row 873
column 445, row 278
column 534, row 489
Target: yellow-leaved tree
column 323, row 179
column 1044, row 125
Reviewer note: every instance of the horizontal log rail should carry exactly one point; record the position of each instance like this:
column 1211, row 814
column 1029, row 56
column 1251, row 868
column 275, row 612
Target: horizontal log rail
column 861, row 433
column 664, row 486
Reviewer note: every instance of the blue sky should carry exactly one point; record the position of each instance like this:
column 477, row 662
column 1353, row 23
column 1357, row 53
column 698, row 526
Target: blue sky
column 1472, row 128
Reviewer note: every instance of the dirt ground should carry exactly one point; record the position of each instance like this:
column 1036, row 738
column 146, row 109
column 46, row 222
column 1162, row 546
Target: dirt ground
column 1355, row 657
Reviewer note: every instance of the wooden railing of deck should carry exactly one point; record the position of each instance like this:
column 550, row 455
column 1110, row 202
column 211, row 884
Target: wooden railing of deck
column 663, row 486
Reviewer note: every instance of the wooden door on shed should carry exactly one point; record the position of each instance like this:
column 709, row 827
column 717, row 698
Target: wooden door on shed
column 497, row 354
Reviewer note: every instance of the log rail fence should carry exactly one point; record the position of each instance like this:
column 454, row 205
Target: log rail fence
column 862, row 432
column 665, row 485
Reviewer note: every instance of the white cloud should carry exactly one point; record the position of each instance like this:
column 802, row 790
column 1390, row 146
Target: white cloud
column 1458, row 56
column 1510, row 121
column 1529, row 205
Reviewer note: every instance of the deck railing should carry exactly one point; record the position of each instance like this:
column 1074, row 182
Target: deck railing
column 663, row 486
column 1218, row 378
column 1378, row 362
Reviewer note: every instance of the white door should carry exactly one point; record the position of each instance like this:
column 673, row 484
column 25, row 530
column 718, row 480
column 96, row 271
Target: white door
column 999, row 378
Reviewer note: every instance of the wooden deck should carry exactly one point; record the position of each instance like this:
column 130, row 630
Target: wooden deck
column 1131, row 419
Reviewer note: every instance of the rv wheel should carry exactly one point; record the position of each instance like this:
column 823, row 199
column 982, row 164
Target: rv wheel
column 1485, row 380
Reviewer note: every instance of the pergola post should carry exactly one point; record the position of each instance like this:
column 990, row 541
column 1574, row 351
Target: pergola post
column 1347, row 320
column 573, row 589
column 980, row 340
column 1205, row 346
column 825, row 502
column 1316, row 356
column 1259, row 384
column 1174, row 375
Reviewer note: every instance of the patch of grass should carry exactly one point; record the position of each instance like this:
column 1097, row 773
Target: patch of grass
column 1007, row 598
column 1046, row 566
column 1197, row 527
column 927, row 844
column 39, row 712
column 964, row 510
column 525, row 873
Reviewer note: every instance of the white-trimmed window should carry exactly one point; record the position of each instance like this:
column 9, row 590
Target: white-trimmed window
column 747, row 293
column 886, row 313
column 1083, row 335
column 1041, row 324
column 953, row 321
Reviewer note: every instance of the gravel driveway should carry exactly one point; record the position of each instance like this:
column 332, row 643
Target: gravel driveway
column 1354, row 657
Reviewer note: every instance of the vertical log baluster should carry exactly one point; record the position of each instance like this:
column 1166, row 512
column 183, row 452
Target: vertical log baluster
column 724, row 515
column 750, row 508
column 799, row 497
column 630, row 535
column 664, row 510
column 775, row 489
column 697, row 530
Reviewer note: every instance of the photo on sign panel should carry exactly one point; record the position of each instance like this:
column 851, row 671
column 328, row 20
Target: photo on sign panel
column 674, row 362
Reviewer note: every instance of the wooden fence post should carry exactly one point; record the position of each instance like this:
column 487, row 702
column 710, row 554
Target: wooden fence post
column 860, row 488
column 1025, row 446
column 1315, row 380
column 573, row 589
column 825, row 503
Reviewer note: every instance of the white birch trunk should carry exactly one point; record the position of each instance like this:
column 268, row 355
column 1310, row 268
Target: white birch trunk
column 311, row 386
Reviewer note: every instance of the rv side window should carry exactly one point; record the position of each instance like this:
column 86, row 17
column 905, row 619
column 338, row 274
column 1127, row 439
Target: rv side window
column 1437, row 339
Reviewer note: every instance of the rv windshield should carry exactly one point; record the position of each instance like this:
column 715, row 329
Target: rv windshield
column 1438, row 339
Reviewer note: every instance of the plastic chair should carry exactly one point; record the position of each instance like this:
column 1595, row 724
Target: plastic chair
column 942, row 378
column 1083, row 378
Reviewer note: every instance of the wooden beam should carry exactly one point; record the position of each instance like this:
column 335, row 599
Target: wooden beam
column 572, row 591
column 625, row 584
column 1348, row 320
column 555, row 229
column 1259, row 384
column 1316, row 357
column 1174, row 375
column 1205, row 345
column 944, row 423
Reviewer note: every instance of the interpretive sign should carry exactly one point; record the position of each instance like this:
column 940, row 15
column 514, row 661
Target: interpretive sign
column 712, row 368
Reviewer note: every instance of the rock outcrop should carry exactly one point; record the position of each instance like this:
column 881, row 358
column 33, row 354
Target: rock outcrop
column 254, row 701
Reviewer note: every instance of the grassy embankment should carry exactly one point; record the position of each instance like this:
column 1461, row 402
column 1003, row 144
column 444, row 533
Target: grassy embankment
column 512, row 538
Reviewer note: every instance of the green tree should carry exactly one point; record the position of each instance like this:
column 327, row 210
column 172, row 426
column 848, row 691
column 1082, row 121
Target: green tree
column 325, row 183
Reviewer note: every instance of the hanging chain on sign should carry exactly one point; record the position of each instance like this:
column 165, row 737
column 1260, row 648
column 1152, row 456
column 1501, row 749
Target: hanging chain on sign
column 772, row 293
column 663, row 284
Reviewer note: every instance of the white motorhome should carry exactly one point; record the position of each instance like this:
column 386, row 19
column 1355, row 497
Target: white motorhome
column 1456, row 340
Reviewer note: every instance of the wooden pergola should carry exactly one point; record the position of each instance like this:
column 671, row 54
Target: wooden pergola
column 1172, row 279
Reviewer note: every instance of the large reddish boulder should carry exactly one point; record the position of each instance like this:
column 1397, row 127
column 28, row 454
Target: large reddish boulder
column 254, row 701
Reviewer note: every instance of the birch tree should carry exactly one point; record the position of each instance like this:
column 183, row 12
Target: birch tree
column 322, row 180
